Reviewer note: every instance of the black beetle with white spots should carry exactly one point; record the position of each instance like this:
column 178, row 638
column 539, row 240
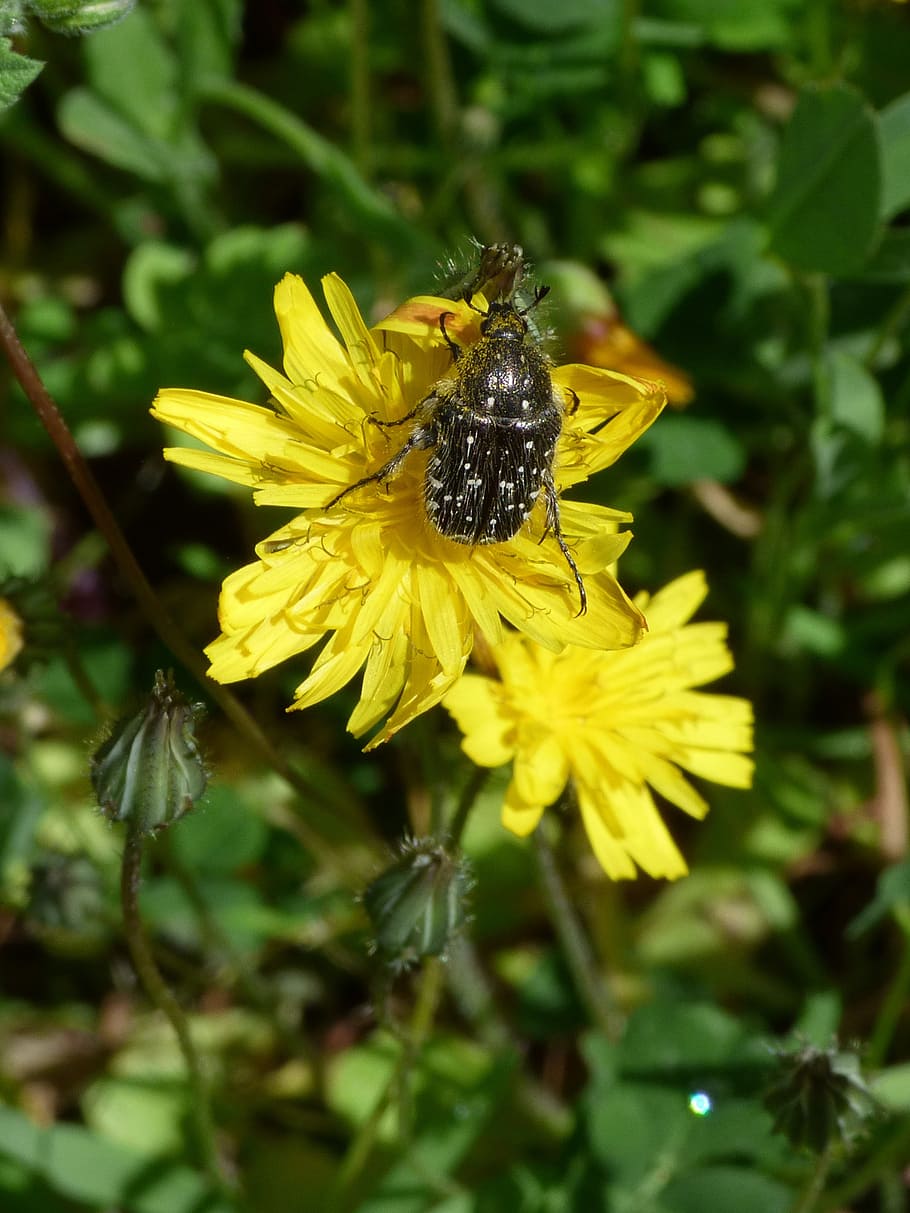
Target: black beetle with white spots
column 491, row 426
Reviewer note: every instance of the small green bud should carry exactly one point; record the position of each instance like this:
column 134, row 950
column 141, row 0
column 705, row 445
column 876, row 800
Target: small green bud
column 80, row 16
column 150, row 771
column 418, row 904
column 819, row 1097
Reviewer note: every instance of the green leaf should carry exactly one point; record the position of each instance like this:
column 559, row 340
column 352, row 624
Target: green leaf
column 892, row 1087
column 549, row 18
column 727, row 1188
column 894, row 129
column 824, row 213
column 892, row 895
column 87, row 1168
column 22, row 811
column 16, row 73
column 736, row 25
column 134, row 70
column 856, row 400
column 223, row 834
column 684, row 449
column 90, row 123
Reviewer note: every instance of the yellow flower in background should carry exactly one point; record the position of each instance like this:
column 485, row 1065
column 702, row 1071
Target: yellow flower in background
column 616, row 724
column 10, row 634
column 371, row 574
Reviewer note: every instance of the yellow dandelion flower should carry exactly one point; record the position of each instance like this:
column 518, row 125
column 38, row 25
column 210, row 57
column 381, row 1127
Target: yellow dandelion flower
column 371, row 574
column 10, row 634
column 617, row 724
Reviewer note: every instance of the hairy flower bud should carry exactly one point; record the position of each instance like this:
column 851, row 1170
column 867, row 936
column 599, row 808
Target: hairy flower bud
column 80, row 16
column 150, row 771
column 418, row 904
column 819, row 1097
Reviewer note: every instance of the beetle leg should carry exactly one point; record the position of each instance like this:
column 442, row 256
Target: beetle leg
column 388, row 425
column 456, row 349
column 420, row 438
column 553, row 525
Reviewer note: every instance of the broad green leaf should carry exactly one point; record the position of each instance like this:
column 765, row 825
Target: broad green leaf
column 892, row 895
column 892, row 1087
column 824, row 213
column 728, row 1187
column 894, row 128
column 134, row 70
column 16, row 73
column 736, row 25
column 86, row 1168
column 684, row 449
column 25, row 540
column 223, row 834
column 22, row 811
column 855, row 397
column 90, row 123
column 549, row 18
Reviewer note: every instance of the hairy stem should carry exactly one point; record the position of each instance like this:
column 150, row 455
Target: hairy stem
column 576, row 947
column 160, row 994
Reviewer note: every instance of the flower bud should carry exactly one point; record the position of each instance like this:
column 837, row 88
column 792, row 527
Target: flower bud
column 150, row 772
column 80, row 16
column 418, row 904
column 819, row 1097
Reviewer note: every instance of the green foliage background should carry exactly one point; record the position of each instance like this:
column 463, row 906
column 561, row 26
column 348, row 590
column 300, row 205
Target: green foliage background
column 739, row 174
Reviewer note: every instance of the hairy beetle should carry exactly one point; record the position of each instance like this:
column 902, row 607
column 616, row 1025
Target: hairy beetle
column 491, row 426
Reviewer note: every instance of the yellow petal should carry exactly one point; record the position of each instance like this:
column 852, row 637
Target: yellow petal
column 541, row 769
column 309, row 345
column 358, row 339
column 489, row 733
column 518, row 816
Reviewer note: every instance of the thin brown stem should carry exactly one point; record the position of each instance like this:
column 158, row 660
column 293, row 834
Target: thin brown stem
column 159, row 617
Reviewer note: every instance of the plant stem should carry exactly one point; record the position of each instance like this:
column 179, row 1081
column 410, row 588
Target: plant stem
column 577, row 950
column 891, row 1154
column 364, row 1142
column 473, row 996
column 894, row 1003
column 159, row 618
column 361, row 118
column 892, row 323
column 807, row 1199
column 319, row 154
column 216, row 939
column 160, row 994
column 472, row 790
